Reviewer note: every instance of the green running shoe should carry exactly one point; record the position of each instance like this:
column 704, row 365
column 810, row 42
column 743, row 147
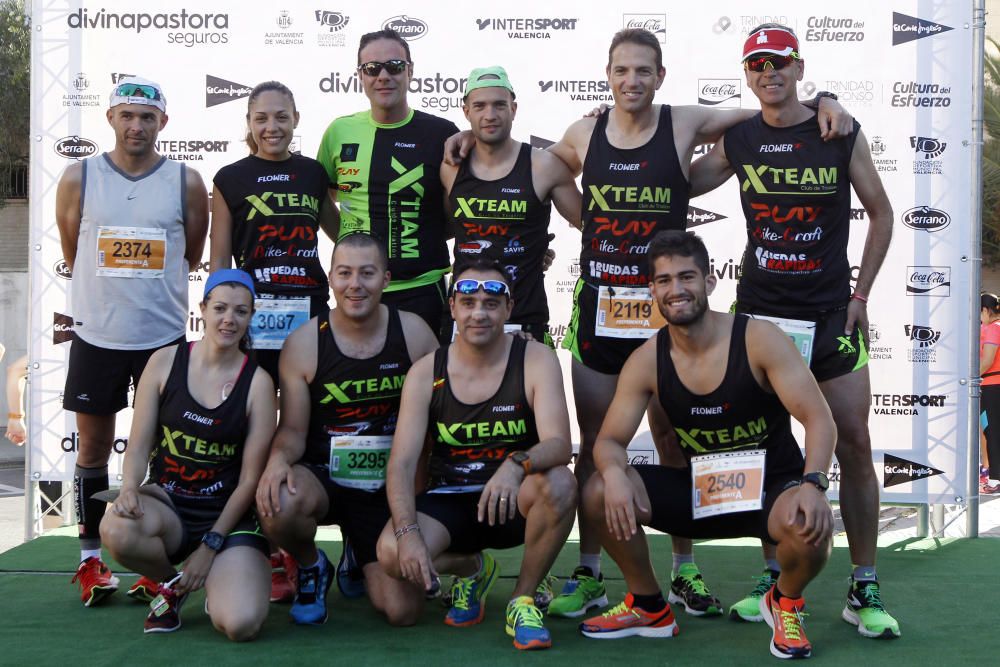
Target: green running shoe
column 524, row 624
column 689, row 589
column 468, row 595
column 865, row 609
column 581, row 593
column 748, row 609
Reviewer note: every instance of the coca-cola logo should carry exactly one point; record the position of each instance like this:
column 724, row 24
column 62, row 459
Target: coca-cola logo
column 926, row 218
column 408, row 27
column 75, row 147
column 654, row 23
column 928, row 281
column 719, row 92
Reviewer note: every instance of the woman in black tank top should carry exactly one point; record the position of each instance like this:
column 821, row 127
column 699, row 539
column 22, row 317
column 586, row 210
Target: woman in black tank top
column 203, row 421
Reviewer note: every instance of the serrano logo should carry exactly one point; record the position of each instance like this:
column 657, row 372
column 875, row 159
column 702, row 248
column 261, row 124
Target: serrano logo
column 61, row 269
column 926, row 218
column 928, row 281
column 408, row 27
column 898, row 470
column 909, row 28
column 219, row 91
column 75, row 147
column 721, row 93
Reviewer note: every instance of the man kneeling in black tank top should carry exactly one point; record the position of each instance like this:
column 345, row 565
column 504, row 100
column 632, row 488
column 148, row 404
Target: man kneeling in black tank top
column 494, row 408
column 729, row 386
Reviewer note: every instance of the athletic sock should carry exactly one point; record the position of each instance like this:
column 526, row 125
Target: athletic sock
column 681, row 559
column 864, row 573
column 649, row 603
column 592, row 562
column 89, row 553
column 772, row 564
column 89, row 512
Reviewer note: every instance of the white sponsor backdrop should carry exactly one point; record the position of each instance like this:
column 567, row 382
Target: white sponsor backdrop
column 908, row 82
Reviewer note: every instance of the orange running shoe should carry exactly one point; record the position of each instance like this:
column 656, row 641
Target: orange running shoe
column 96, row 581
column 785, row 616
column 626, row 620
column 143, row 590
column 283, row 572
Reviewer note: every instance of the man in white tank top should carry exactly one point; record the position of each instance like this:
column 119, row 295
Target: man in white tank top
column 131, row 224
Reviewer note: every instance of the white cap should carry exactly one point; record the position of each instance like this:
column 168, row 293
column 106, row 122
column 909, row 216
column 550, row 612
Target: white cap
column 136, row 90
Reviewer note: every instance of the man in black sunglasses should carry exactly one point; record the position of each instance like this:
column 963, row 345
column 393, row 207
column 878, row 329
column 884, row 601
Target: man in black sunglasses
column 500, row 198
column 383, row 163
column 494, row 409
column 796, row 195
column 130, row 243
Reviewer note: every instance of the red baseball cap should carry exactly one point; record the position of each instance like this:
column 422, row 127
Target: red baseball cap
column 770, row 40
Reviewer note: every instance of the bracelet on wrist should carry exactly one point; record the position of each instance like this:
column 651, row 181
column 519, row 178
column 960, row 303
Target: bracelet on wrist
column 857, row 296
column 15, row 415
column 408, row 528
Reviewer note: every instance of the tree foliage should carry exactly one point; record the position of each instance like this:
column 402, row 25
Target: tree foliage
column 991, row 155
column 15, row 91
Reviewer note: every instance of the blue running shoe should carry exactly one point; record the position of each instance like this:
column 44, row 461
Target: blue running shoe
column 309, row 606
column 524, row 624
column 350, row 576
column 468, row 602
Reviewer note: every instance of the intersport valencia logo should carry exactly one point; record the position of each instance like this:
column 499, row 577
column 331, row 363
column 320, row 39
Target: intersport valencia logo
column 219, row 91
column 910, row 28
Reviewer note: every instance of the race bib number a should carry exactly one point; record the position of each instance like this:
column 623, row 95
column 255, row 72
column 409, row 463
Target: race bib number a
column 802, row 333
column 626, row 312
column 274, row 319
column 131, row 252
column 727, row 482
column 358, row 461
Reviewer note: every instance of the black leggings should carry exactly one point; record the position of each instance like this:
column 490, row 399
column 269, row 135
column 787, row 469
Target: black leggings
column 989, row 403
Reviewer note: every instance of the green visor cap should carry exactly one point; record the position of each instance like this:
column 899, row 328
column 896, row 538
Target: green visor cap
column 488, row 77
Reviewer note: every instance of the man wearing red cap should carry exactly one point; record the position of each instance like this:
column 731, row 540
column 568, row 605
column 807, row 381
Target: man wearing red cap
column 131, row 223
column 796, row 194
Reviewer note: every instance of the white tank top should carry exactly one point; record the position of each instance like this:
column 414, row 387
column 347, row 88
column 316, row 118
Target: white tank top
column 130, row 277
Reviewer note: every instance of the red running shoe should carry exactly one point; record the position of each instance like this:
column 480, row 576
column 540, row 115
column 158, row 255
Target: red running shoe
column 626, row 620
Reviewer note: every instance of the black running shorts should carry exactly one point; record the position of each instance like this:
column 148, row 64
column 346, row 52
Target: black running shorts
column 361, row 515
column 458, row 513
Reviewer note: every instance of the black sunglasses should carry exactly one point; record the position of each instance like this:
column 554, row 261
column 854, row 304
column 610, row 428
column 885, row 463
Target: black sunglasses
column 374, row 67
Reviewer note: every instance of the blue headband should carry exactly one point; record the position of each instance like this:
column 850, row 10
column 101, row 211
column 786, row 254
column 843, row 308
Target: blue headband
column 220, row 276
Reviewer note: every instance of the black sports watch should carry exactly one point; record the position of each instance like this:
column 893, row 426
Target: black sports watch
column 825, row 93
column 213, row 540
column 819, row 479
column 522, row 459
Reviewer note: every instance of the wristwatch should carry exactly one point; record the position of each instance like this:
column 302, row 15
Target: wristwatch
column 212, row 540
column 522, row 459
column 819, row 479
column 825, row 93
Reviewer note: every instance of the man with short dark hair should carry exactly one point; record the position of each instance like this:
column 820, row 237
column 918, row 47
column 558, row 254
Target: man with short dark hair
column 796, row 195
column 132, row 224
column 493, row 406
column 729, row 385
column 341, row 379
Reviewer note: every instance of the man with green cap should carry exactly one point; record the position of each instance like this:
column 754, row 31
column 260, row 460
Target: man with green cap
column 500, row 198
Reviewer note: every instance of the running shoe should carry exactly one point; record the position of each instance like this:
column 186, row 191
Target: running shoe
column 96, row 581
column 282, row 577
column 626, row 620
column 748, row 609
column 785, row 617
column 165, row 609
column 689, row 590
column 350, row 576
column 865, row 609
column 581, row 593
column 545, row 592
column 313, row 583
column 524, row 624
column 143, row 590
column 468, row 594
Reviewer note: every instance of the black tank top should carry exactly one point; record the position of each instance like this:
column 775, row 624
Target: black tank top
column 738, row 414
column 201, row 450
column 471, row 441
column 351, row 396
column 796, row 195
column 505, row 221
column 628, row 196
column 275, row 212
